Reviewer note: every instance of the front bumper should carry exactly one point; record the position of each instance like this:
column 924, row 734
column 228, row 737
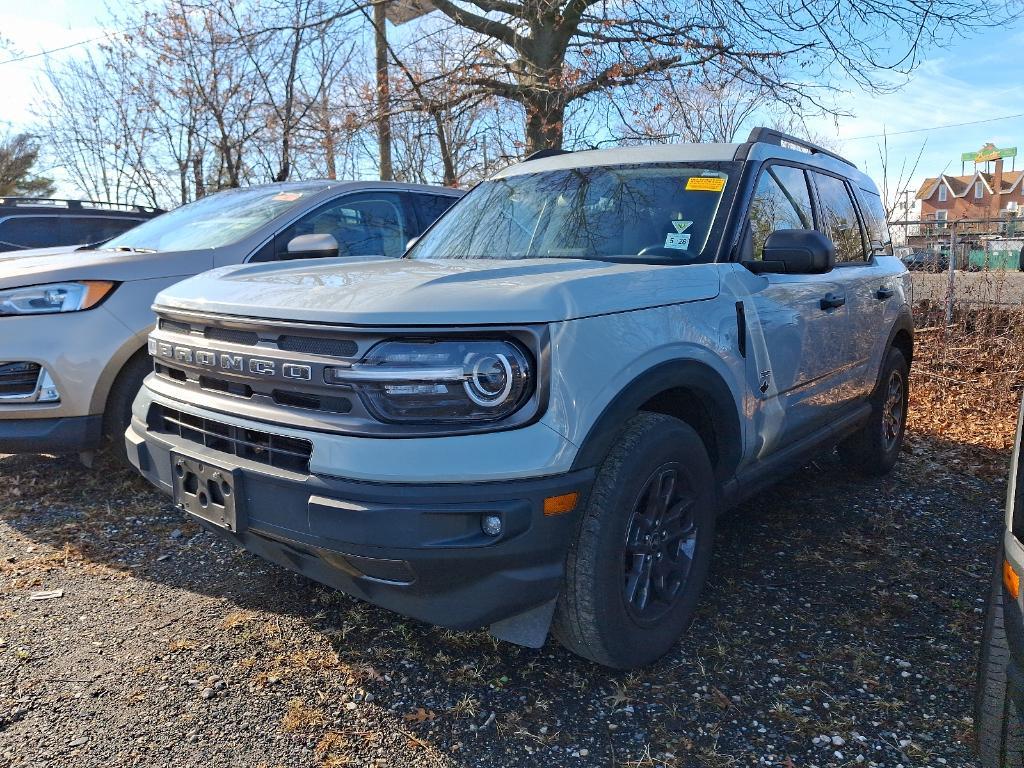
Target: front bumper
column 76, row 349
column 54, row 435
column 1013, row 621
column 414, row 548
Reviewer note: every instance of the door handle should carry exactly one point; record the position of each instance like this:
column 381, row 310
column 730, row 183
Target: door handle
column 885, row 292
column 833, row 300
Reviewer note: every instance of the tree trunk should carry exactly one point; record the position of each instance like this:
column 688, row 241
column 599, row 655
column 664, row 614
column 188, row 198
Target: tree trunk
column 328, row 129
column 545, row 116
column 383, row 92
column 445, row 150
column 197, row 175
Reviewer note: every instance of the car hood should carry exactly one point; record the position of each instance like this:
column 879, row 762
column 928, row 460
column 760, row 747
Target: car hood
column 455, row 292
column 44, row 265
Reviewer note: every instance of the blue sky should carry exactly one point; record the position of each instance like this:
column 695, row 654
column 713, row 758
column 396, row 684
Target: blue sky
column 974, row 78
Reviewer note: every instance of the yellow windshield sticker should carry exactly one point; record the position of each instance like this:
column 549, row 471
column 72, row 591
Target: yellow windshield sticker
column 287, row 197
column 705, row 184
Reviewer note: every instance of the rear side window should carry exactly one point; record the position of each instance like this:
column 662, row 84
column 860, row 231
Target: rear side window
column 430, row 207
column 93, row 229
column 29, row 232
column 874, row 219
column 781, row 201
column 839, row 219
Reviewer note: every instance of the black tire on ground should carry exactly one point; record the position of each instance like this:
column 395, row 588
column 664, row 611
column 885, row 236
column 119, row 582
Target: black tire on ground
column 874, row 448
column 118, row 414
column 998, row 728
column 607, row 612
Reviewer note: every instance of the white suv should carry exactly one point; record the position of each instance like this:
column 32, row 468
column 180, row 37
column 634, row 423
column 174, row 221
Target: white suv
column 533, row 418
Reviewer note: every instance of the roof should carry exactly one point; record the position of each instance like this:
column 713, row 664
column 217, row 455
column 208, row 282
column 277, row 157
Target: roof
column 645, row 155
column 684, row 153
column 959, row 186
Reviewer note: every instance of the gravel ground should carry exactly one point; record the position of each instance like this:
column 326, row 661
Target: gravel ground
column 839, row 627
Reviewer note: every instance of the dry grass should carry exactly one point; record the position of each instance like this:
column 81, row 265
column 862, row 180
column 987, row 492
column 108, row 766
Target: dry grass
column 301, row 717
column 967, row 381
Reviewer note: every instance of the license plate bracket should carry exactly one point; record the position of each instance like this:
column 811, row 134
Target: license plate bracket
column 206, row 490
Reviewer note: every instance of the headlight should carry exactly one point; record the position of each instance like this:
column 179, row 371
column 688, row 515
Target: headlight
column 440, row 381
column 55, row 297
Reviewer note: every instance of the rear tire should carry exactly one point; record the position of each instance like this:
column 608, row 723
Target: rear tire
column 118, row 415
column 637, row 566
column 998, row 728
column 875, row 447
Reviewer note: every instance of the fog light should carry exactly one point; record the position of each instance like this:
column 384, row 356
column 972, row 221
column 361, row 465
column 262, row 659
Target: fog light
column 491, row 525
column 47, row 389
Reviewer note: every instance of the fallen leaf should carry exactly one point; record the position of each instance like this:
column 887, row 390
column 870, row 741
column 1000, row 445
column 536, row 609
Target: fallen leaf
column 421, row 715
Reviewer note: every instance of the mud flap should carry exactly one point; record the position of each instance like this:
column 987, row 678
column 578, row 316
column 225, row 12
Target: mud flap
column 529, row 628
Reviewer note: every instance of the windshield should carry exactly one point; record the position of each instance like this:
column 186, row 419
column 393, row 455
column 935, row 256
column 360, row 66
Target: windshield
column 213, row 221
column 662, row 212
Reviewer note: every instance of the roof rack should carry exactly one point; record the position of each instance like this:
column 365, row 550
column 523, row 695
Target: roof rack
column 75, row 205
column 778, row 138
column 540, row 154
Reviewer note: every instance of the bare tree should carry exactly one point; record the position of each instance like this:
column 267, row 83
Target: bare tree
column 548, row 54
column 97, row 127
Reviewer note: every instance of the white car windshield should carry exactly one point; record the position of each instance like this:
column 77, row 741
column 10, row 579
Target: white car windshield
column 657, row 212
column 220, row 219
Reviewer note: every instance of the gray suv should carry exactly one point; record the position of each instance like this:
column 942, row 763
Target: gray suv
column 532, row 419
column 74, row 322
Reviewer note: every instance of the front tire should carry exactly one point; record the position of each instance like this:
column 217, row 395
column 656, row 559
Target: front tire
column 998, row 727
column 637, row 566
column 875, row 447
column 118, row 414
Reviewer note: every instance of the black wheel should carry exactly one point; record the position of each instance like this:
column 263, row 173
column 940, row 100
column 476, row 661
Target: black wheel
column 998, row 728
column 118, row 414
column 874, row 448
column 642, row 551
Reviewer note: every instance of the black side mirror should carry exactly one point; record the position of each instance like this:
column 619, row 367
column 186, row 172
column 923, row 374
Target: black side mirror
column 312, row 246
column 795, row 252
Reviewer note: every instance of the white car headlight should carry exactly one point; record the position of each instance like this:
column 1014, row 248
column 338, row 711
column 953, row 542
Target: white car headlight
column 54, row 297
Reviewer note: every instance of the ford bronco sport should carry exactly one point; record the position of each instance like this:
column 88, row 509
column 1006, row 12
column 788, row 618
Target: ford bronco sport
column 999, row 697
column 74, row 322
column 532, row 419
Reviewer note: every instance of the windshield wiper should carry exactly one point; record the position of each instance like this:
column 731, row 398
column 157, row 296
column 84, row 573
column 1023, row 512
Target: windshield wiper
column 132, row 249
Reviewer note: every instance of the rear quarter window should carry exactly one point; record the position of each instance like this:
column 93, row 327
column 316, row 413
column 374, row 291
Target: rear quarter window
column 875, row 221
column 29, row 232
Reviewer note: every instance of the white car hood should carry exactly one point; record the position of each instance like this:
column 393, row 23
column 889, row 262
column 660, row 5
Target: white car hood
column 46, row 265
column 451, row 292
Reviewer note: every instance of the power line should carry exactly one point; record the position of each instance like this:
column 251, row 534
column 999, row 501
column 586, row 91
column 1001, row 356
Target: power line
column 28, row 56
column 935, row 128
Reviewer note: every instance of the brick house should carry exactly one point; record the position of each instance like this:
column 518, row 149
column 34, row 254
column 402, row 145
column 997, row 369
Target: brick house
column 995, row 195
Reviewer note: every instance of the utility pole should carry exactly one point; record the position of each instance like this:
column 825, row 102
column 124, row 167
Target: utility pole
column 383, row 92
column 951, row 288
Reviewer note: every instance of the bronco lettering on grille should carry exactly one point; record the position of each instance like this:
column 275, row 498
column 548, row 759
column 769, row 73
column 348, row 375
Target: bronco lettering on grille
column 229, row 362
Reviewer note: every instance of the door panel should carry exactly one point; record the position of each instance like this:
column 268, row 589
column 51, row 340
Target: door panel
column 799, row 370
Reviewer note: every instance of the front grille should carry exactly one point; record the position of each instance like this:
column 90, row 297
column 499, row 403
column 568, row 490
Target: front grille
column 18, row 378
column 232, row 336
column 313, row 345
column 254, row 445
column 317, row 345
column 312, row 402
column 174, row 326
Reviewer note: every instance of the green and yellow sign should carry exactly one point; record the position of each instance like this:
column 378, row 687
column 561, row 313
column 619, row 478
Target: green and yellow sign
column 988, row 152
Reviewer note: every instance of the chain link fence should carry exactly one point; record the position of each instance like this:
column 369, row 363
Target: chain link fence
column 963, row 264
